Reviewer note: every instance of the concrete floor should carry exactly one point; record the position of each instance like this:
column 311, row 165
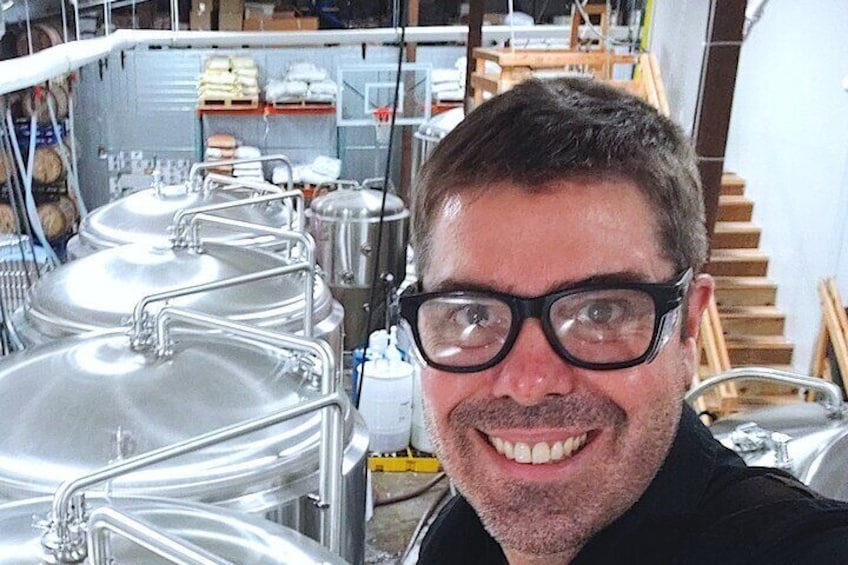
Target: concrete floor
column 390, row 529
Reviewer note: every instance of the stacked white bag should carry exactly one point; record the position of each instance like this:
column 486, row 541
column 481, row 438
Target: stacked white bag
column 303, row 82
column 227, row 78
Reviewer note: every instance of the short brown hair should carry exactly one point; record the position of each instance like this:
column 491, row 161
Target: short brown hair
column 548, row 130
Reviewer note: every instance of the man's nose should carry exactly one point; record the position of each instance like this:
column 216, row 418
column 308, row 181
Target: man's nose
column 532, row 370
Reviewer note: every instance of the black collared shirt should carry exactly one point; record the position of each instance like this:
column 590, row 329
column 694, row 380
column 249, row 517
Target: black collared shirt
column 703, row 507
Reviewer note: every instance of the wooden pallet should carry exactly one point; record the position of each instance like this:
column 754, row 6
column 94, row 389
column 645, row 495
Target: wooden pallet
column 518, row 65
column 249, row 103
column 290, row 104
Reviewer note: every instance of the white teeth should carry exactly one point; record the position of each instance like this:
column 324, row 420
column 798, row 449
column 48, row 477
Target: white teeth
column 498, row 443
column 522, row 452
column 539, row 453
column 507, row 450
column 556, row 451
column 568, row 447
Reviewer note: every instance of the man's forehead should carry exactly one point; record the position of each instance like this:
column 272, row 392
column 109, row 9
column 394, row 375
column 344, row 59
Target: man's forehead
column 519, row 241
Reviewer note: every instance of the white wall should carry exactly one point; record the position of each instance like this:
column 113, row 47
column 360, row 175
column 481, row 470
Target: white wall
column 789, row 140
column 677, row 32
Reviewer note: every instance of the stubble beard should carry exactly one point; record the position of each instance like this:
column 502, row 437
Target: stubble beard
column 557, row 517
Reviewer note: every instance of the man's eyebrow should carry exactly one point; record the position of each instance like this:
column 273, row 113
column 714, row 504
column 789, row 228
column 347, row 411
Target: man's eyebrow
column 621, row 277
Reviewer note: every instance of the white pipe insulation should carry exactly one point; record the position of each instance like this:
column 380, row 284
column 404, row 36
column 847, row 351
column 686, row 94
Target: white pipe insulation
column 24, row 72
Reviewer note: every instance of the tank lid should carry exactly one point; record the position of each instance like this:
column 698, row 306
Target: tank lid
column 101, row 290
column 74, row 405
column 357, row 203
column 235, row 537
column 145, row 216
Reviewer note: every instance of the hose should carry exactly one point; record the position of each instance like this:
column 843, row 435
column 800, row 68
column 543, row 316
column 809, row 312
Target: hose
column 411, row 494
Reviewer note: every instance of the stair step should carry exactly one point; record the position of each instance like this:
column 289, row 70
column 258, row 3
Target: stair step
column 759, row 350
column 734, row 208
column 729, row 235
column 738, row 263
column 745, row 291
column 752, row 320
column 731, row 183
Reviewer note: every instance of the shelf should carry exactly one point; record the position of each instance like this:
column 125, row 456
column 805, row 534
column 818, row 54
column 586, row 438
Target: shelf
column 270, row 109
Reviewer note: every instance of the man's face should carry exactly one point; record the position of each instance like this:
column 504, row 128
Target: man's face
column 614, row 427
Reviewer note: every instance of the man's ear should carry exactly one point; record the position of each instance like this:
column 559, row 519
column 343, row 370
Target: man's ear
column 700, row 293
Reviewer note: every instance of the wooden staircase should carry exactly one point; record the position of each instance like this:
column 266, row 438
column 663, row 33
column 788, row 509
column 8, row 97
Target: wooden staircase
column 752, row 325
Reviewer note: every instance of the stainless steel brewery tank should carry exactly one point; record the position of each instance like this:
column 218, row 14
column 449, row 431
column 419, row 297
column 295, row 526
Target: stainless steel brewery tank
column 345, row 224
column 78, row 403
column 68, row 529
column 99, row 291
column 430, row 133
column 807, row 439
column 227, row 535
column 145, row 216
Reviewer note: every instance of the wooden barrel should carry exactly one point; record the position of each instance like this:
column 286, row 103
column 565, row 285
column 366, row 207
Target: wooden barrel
column 47, row 165
column 7, row 219
column 44, row 35
column 58, row 217
column 58, row 93
column 3, row 174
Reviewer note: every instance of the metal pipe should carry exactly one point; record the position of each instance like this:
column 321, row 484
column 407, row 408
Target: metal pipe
column 233, row 182
column 178, row 224
column 832, row 392
column 303, row 238
column 175, row 15
column 225, row 182
column 106, row 520
column 329, row 487
column 329, row 498
column 137, row 336
column 197, row 167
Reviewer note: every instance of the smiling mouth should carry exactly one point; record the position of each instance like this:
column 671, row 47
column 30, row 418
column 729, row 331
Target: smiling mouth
column 541, row 452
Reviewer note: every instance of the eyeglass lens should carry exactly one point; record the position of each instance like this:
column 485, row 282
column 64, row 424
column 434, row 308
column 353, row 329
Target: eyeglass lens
column 596, row 326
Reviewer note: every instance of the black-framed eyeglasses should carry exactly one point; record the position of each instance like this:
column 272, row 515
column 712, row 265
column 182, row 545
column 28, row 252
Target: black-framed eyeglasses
column 594, row 326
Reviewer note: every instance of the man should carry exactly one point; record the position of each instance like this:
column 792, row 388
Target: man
column 560, row 237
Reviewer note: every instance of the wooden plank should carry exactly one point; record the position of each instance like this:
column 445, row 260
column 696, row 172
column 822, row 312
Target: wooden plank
column 819, row 360
column 745, row 291
column 837, row 326
column 752, row 320
column 737, row 262
column 731, row 183
column 759, row 350
column 729, row 235
column 662, row 98
column 648, row 82
column 552, row 58
column 733, row 208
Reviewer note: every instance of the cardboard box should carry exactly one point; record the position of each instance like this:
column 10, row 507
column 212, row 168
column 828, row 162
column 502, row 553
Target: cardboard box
column 258, row 10
column 231, row 6
column 230, row 21
column 200, row 17
column 281, row 24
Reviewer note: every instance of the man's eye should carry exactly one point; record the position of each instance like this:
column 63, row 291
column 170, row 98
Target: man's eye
column 603, row 312
column 473, row 315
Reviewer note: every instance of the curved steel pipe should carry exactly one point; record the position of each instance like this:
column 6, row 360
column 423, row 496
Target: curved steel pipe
column 331, row 451
column 137, row 321
column 195, row 169
column 832, row 393
column 303, row 238
column 181, row 216
column 104, row 521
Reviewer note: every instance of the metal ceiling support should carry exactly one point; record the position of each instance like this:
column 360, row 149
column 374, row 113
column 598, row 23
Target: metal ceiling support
column 475, row 39
column 715, row 96
column 23, row 72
